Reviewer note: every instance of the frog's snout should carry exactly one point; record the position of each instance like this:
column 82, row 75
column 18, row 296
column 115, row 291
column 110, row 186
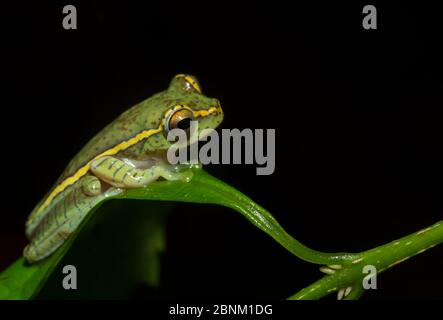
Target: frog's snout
column 217, row 104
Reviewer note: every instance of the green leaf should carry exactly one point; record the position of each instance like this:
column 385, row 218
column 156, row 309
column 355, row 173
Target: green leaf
column 116, row 253
column 21, row 281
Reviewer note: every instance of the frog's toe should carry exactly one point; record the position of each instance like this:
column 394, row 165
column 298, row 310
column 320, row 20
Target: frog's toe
column 30, row 254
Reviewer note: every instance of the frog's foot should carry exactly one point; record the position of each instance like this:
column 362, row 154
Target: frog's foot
column 124, row 174
column 41, row 248
column 91, row 186
column 176, row 174
column 181, row 167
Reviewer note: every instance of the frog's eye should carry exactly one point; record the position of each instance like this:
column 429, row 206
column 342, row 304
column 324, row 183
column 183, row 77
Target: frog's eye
column 187, row 82
column 179, row 119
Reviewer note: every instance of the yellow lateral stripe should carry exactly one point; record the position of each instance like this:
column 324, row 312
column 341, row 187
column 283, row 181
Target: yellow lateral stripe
column 121, row 146
column 83, row 170
column 204, row 113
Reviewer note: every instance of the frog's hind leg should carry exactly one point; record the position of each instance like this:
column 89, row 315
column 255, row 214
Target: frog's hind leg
column 58, row 223
column 64, row 218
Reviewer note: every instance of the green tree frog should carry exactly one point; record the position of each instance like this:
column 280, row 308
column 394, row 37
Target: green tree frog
column 128, row 153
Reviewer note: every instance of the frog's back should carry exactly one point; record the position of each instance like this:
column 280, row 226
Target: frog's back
column 146, row 115
column 55, row 209
column 123, row 128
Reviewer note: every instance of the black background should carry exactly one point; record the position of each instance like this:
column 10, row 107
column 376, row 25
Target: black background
column 357, row 115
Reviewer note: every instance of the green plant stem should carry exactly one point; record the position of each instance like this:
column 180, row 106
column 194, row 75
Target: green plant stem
column 382, row 258
column 218, row 192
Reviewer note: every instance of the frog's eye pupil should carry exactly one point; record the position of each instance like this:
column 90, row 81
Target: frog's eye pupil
column 184, row 124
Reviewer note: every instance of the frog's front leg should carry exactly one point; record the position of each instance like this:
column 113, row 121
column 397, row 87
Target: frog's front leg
column 120, row 174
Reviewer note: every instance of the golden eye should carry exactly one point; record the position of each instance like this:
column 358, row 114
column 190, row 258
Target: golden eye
column 190, row 82
column 179, row 119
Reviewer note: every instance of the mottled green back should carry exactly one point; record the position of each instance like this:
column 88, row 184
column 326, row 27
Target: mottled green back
column 148, row 114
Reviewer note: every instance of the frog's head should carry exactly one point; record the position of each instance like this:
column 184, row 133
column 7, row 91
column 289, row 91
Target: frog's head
column 194, row 106
column 180, row 104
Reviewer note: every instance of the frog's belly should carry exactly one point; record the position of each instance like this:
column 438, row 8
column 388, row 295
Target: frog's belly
column 61, row 219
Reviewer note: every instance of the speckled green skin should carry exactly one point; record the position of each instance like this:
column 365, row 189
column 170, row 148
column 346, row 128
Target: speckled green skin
column 146, row 115
column 48, row 226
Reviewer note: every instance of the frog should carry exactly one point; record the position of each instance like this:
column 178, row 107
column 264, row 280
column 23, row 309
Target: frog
column 130, row 152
